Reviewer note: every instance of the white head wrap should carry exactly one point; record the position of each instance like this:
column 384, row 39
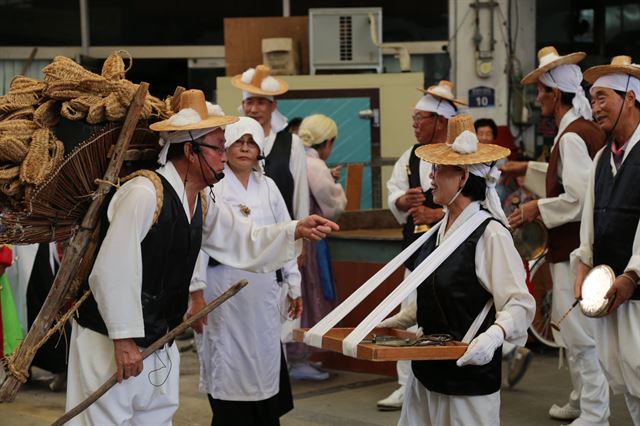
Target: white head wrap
column 185, row 117
column 567, row 78
column 243, row 126
column 441, row 107
column 467, row 143
column 278, row 120
column 316, row 129
column 619, row 81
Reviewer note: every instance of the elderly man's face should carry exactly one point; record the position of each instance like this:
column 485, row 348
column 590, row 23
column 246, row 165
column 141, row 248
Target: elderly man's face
column 213, row 153
column 606, row 105
column 547, row 99
column 260, row 109
column 424, row 125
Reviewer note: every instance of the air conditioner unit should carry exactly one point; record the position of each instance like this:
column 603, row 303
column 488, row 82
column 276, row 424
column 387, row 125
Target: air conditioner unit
column 340, row 39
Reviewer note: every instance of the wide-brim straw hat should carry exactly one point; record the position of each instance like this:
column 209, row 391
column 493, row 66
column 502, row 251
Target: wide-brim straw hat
column 548, row 58
column 195, row 100
column 443, row 90
column 443, row 153
column 619, row 65
column 255, row 85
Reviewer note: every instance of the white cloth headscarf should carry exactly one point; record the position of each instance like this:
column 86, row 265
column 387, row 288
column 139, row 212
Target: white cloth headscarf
column 185, row 117
column 619, row 81
column 441, row 107
column 567, row 78
column 278, row 120
column 466, row 143
column 244, row 126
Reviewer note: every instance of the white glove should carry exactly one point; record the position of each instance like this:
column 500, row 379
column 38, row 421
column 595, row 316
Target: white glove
column 482, row 348
column 404, row 319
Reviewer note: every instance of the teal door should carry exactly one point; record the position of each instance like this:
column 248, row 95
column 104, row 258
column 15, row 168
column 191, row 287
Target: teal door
column 355, row 134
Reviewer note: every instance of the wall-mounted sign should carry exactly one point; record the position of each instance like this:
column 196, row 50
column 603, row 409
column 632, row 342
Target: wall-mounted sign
column 482, row 97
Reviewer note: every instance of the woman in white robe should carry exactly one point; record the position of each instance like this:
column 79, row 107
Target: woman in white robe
column 239, row 348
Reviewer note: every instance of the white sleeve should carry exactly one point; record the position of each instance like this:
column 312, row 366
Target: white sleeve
column 500, row 270
column 298, row 167
column 535, row 178
column 290, row 271
column 584, row 252
column 575, row 163
column 328, row 194
column 397, row 186
column 237, row 242
column 199, row 278
column 116, row 277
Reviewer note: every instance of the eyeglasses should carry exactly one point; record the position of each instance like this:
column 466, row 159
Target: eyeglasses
column 217, row 149
column 418, row 118
column 245, row 143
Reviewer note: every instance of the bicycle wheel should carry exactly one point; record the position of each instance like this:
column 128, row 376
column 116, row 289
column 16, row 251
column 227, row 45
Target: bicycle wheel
column 541, row 289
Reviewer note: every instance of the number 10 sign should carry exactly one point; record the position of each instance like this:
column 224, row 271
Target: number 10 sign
column 482, row 97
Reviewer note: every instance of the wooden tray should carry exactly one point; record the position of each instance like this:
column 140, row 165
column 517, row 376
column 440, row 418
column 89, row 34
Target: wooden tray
column 332, row 341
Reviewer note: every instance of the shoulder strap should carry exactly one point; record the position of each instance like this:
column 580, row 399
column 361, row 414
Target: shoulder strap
column 157, row 184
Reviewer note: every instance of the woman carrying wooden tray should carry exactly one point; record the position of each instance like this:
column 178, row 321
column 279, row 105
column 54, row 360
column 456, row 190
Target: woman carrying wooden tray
column 484, row 266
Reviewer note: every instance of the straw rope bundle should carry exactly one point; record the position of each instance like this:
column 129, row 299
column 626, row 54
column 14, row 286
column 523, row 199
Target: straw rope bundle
column 29, row 149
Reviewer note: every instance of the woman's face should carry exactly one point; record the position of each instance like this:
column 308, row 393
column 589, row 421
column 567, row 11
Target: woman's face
column 242, row 155
column 445, row 182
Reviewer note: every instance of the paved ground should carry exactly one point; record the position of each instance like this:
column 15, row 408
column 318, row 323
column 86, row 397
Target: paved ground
column 347, row 399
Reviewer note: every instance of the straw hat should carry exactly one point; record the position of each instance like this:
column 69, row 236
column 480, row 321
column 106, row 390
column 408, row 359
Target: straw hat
column 259, row 81
column 443, row 90
column 548, row 59
column 619, row 65
column 195, row 113
column 476, row 153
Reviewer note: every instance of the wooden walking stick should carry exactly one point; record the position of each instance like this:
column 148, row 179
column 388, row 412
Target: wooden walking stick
column 150, row 350
column 74, row 256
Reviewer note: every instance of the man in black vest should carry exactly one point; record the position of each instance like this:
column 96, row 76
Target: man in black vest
column 410, row 198
column 609, row 232
column 285, row 158
column 153, row 229
column 560, row 95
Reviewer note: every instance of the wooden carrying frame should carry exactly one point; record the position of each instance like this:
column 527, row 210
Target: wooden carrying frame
column 332, row 341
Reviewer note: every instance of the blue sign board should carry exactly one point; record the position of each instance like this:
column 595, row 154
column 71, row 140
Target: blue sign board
column 482, row 97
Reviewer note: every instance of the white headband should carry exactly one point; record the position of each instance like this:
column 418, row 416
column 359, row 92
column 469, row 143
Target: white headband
column 441, row 107
column 467, row 143
column 567, row 78
column 620, row 82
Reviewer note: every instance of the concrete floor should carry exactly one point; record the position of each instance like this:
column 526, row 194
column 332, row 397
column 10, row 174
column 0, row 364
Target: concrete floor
column 347, row 399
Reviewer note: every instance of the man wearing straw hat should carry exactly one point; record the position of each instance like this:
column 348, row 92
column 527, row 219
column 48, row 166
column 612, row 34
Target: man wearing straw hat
column 560, row 96
column 610, row 231
column 410, row 198
column 285, row 161
column 476, row 292
column 154, row 227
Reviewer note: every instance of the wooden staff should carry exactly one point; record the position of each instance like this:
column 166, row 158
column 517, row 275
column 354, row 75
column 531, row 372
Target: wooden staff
column 74, row 255
column 150, row 350
column 556, row 325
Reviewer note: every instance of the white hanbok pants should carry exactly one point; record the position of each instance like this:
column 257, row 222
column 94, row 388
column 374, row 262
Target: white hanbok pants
column 404, row 367
column 617, row 337
column 422, row 407
column 577, row 336
column 151, row 398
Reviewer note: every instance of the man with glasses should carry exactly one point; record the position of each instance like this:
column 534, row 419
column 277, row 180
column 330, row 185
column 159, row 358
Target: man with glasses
column 410, row 198
column 561, row 96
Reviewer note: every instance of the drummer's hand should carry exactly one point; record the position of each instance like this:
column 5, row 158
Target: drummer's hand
column 425, row 216
column 482, row 349
column 621, row 290
column 412, row 198
column 295, row 307
column 128, row 358
column 514, row 168
column 582, row 269
column 526, row 213
column 196, row 304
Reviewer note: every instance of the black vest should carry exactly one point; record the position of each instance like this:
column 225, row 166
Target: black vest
column 277, row 167
column 169, row 253
column 616, row 211
column 449, row 300
column 408, row 236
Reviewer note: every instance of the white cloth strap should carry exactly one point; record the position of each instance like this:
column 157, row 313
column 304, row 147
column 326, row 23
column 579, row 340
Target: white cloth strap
column 350, row 344
column 475, row 325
